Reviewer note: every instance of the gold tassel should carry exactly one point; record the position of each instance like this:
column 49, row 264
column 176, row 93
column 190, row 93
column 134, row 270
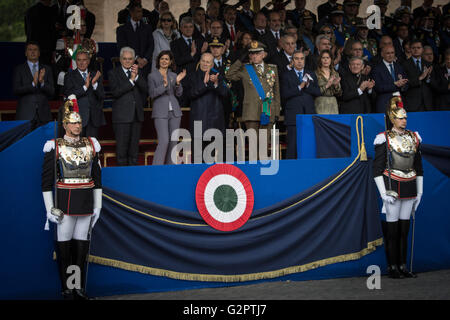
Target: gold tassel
column 363, row 152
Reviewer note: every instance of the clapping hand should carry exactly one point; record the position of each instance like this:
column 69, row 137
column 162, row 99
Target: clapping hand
column 426, row 72
column 134, row 72
column 206, row 79
column 214, row 78
column 87, row 82
column 336, row 80
column 181, row 76
column 193, row 48
column 41, row 75
column 96, row 77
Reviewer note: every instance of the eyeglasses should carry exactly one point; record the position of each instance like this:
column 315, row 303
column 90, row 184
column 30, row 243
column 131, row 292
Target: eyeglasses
column 326, row 32
column 166, row 20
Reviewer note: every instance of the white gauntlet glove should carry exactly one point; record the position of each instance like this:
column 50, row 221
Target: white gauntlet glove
column 49, row 206
column 97, row 205
column 379, row 181
column 419, row 181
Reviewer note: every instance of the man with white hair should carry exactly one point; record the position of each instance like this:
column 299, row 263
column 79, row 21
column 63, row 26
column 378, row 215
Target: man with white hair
column 129, row 89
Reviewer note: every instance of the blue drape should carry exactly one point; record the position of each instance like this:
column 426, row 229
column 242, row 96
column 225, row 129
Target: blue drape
column 14, row 134
column 438, row 156
column 333, row 139
column 336, row 220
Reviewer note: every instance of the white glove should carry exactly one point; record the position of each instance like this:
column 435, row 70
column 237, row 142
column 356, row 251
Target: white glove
column 48, row 201
column 417, row 201
column 95, row 216
column 97, row 205
column 388, row 199
column 52, row 218
column 379, row 181
column 419, row 181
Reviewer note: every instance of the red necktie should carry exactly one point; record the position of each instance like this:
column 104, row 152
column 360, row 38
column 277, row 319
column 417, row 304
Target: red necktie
column 232, row 33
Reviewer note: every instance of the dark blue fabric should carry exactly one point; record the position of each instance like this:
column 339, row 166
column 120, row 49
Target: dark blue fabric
column 341, row 219
column 438, row 156
column 7, row 138
column 333, row 139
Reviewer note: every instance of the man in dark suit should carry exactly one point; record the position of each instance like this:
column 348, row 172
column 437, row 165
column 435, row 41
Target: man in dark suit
column 87, row 86
column 186, row 52
column 273, row 34
column 231, row 29
column 260, row 23
column 192, row 5
column 124, row 15
column 154, row 15
column 283, row 58
column 298, row 89
column 440, row 83
column 33, row 84
column 356, row 88
column 402, row 35
column 128, row 88
column 137, row 35
column 40, row 26
column 418, row 97
column 245, row 16
column 389, row 77
column 325, row 9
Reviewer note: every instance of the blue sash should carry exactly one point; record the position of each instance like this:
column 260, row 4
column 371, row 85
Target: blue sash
column 256, row 82
column 265, row 114
column 340, row 39
column 367, row 53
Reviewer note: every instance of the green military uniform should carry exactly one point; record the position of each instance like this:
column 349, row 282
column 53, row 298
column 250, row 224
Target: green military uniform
column 252, row 105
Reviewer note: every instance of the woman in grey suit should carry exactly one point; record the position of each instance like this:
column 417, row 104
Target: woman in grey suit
column 164, row 87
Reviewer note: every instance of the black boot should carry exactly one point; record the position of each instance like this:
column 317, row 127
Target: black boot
column 80, row 259
column 403, row 250
column 64, row 258
column 385, row 237
column 392, row 250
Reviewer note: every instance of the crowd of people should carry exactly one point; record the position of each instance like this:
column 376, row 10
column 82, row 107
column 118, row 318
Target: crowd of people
column 229, row 63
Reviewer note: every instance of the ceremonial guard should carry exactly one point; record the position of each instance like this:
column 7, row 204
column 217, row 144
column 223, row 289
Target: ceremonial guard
column 398, row 173
column 261, row 104
column 77, row 202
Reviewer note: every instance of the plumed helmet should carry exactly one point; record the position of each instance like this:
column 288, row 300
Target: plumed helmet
column 396, row 108
column 71, row 110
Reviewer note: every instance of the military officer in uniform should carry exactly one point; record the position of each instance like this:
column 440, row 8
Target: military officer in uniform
column 369, row 44
column 351, row 19
column 261, row 106
column 78, row 201
column 341, row 31
column 222, row 64
column 428, row 35
column 398, row 174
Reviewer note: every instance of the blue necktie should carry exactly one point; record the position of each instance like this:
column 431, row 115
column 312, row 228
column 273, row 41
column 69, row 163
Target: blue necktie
column 391, row 66
column 300, row 76
column 84, row 76
column 418, row 65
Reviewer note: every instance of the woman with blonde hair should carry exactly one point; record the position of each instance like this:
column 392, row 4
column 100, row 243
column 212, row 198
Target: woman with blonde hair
column 166, row 31
column 329, row 84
